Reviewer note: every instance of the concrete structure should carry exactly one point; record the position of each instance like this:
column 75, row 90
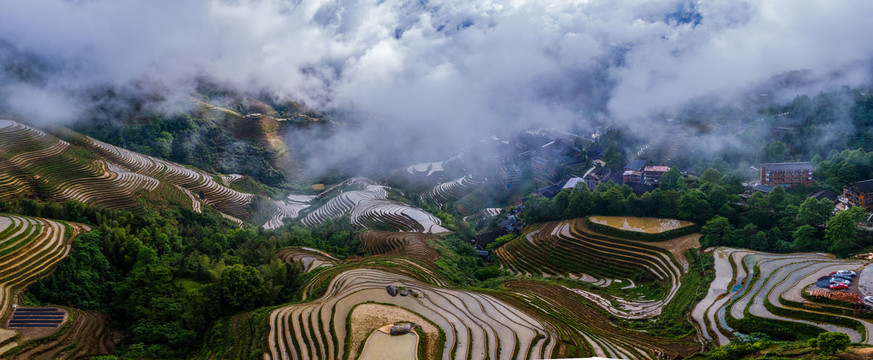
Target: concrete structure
column 787, row 174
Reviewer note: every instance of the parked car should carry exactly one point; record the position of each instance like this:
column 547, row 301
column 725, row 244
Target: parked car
column 868, row 299
column 846, row 273
column 837, row 280
column 849, row 279
column 839, row 286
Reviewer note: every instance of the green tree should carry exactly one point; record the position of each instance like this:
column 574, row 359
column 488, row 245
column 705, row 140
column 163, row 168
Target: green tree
column 841, row 230
column 733, row 182
column 240, row 287
column 829, row 343
column 717, row 231
column 613, row 157
column 537, row 209
column 814, row 212
column 165, row 144
column 711, row 176
column 805, row 238
column 671, row 179
column 773, row 152
column 693, row 206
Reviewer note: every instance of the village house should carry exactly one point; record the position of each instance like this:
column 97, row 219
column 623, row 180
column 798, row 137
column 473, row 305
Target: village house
column 597, row 176
column 787, row 174
column 652, row 174
column 859, row 194
column 633, row 172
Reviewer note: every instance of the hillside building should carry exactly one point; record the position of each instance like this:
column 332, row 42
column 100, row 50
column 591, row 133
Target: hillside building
column 787, row 174
column 510, row 174
column 571, row 184
column 631, row 176
column 652, row 174
column 597, row 176
column 824, row 194
column 859, row 194
column 636, row 165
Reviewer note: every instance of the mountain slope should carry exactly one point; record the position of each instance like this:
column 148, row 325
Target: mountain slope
column 36, row 164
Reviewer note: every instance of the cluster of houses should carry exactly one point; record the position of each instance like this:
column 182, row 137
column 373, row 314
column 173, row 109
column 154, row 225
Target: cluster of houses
column 511, row 225
column 545, row 161
column 640, row 176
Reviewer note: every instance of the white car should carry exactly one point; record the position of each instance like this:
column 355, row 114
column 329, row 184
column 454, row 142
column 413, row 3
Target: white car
column 868, row 299
column 835, row 280
column 846, row 273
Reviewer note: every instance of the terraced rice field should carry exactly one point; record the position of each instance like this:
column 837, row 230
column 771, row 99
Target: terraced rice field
column 368, row 206
column 475, row 326
column 310, row 258
column 638, row 224
column 756, row 284
column 95, row 173
column 587, row 329
column 382, row 346
column 425, row 169
column 288, row 209
column 368, row 319
column 406, row 244
column 453, row 190
column 485, row 213
column 197, row 185
column 570, row 249
column 29, row 249
column 33, row 162
column 84, row 335
column 226, row 180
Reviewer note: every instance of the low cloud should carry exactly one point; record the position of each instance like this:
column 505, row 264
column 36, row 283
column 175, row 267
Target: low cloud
column 432, row 75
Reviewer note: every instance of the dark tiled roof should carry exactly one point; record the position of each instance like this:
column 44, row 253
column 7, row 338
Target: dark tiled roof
column 616, row 177
column 550, row 191
column 601, row 171
column 762, row 188
column 865, row 186
column 482, row 240
column 787, row 166
column 637, row 165
column 825, row 194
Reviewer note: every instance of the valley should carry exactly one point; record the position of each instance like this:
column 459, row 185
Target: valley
column 430, row 254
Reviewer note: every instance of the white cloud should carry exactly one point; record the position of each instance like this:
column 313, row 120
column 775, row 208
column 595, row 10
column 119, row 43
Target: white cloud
column 455, row 69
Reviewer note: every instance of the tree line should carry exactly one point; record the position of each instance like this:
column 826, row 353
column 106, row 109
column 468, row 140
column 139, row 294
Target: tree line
column 779, row 221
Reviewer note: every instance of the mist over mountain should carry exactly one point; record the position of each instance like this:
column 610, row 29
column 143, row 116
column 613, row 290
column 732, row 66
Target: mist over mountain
column 418, row 79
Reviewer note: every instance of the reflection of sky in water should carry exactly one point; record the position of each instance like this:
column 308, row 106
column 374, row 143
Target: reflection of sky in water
column 646, row 225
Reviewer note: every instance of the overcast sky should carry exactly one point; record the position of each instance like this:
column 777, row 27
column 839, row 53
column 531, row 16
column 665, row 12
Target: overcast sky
column 442, row 70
